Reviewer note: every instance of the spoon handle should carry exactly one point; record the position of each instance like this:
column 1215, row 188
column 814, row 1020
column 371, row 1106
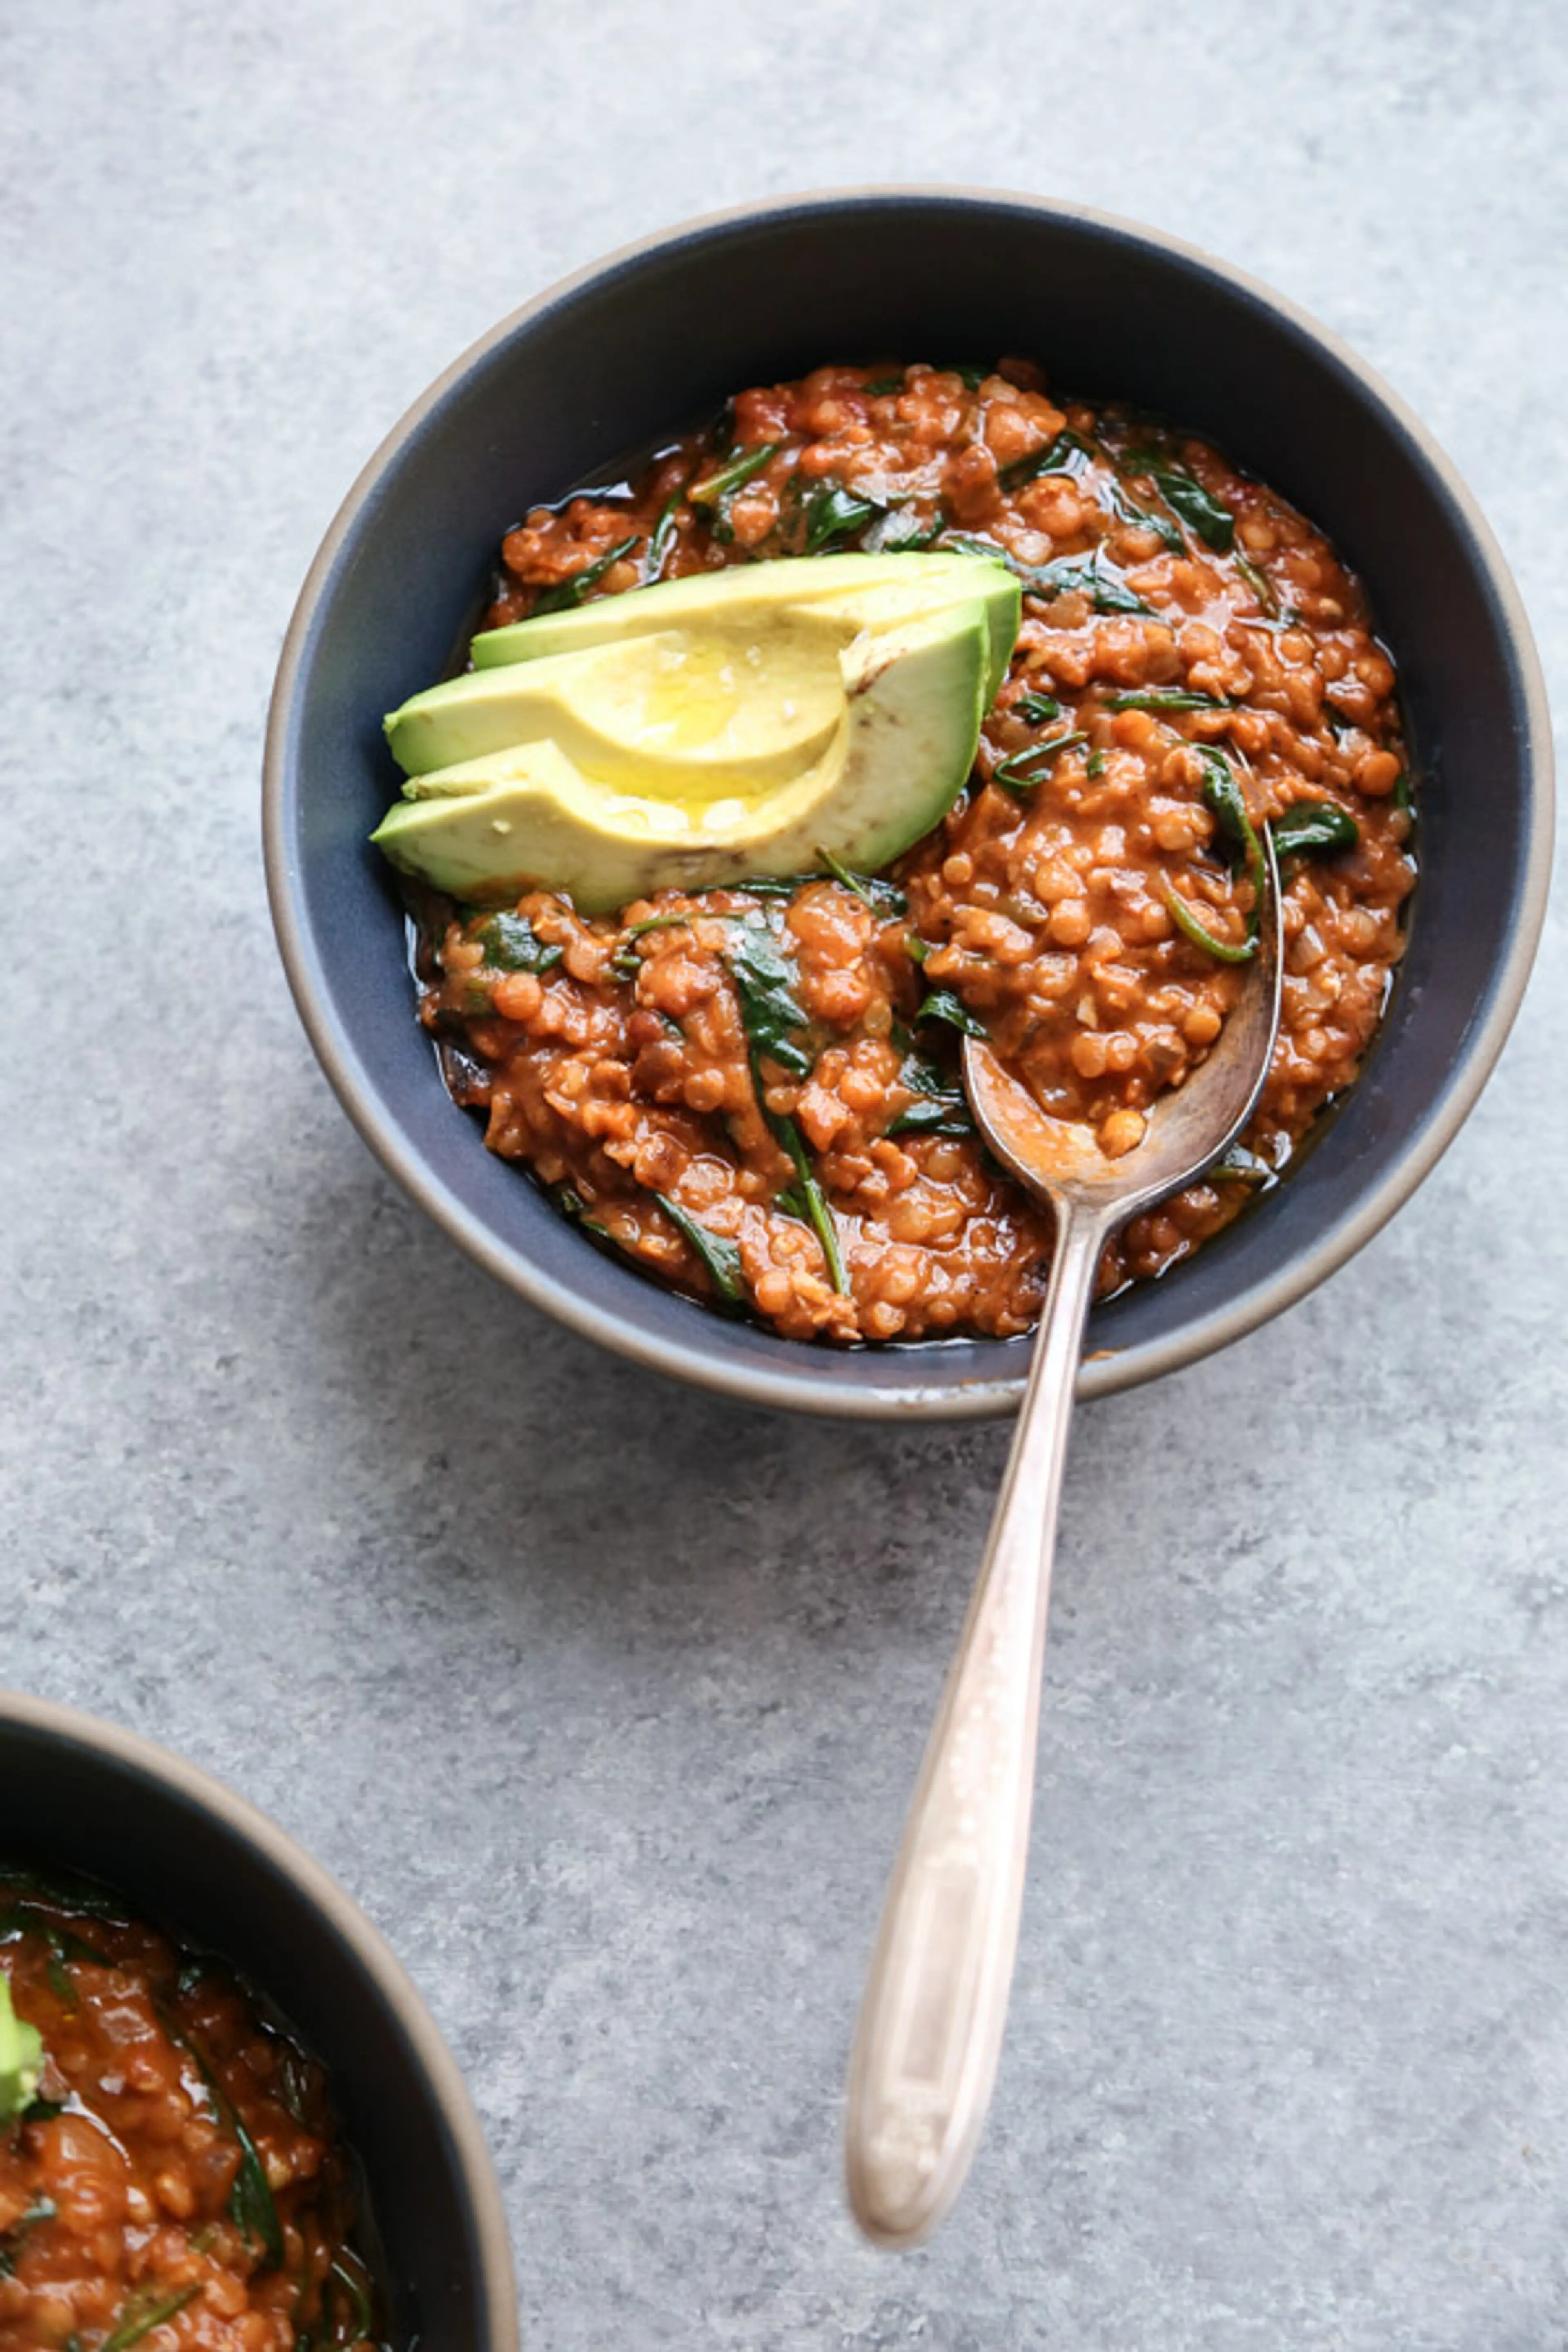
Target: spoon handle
column 936, row 1999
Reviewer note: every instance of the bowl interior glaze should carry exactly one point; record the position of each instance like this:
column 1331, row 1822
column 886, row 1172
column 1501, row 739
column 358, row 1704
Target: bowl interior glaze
column 655, row 337
column 191, row 1857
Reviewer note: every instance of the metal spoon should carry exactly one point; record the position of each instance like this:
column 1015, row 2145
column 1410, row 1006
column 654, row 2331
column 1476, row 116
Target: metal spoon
column 936, row 2001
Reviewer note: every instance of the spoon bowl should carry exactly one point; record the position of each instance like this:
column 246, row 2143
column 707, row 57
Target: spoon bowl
column 1189, row 1127
column 931, row 2023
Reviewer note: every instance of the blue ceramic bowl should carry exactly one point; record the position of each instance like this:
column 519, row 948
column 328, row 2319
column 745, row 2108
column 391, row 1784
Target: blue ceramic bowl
column 78, row 1794
column 657, row 334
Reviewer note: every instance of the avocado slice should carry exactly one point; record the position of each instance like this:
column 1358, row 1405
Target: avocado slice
column 485, row 829
column 747, row 590
column 689, row 711
column 21, row 2057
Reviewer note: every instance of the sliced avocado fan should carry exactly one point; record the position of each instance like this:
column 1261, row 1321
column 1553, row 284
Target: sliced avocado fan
column 489, row 828
column 753, row 721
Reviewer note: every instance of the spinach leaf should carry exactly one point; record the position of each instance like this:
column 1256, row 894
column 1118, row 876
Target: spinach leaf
column 1038, row 709
column 1023, row 770
column 899, row 530
column 1213, row 523
column 775, row 886
column 567, row 593
column 1117, row 503
column 933, row 1118
column 673, row 922
column 1314, row 825
column 572, row 1205
column 1259, row 582
column 1167, row 697
column 1095, row 578
column 765, row 983
column 250, row 2199
column 1095, row 764
column 625, row 964
column 807, row 1199
column 968, row 373
column 1222, row 798
column 969, row 542
column 924, row 1077
column 1094, row 575
column 22, row 1920
column 939, row 1109
column 1192, row 926
column 140, row 2316
column 511, row 944
column 292, row 2082
column 662, row 539
column 719, row 1254
column 1069, row 453
column 884, row 384
column 883, row 897
column 1404, row 797
column 835, row 513
column 348, row 2282
column 734, row 474
column 942, row 1004
column 1186, row 497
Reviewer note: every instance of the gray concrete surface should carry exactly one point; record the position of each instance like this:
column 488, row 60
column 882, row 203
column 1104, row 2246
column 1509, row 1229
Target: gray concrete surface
column 604, row 1700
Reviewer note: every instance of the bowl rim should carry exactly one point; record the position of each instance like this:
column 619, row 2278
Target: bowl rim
column 1099, row 1374
column 479, row 2186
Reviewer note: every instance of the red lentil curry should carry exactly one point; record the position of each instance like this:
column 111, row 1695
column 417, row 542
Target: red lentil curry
column 169, row 2173
column 753, row 1092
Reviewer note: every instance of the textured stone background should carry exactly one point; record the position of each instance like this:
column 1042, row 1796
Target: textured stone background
column 602, row 1698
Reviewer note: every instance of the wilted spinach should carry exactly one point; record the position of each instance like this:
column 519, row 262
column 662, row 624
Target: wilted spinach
column 568, row 593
